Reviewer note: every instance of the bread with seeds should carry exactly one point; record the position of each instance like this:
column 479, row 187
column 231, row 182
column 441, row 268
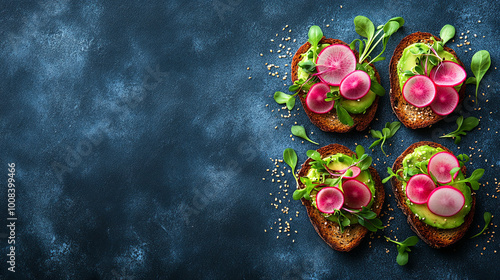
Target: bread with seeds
column 348, row 237
column 412, row 116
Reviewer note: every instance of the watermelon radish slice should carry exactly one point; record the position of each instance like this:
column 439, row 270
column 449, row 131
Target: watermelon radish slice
column 355, row 172
column 448, row 74
column 419, row 91
column 356, row 194
column 329, row 199
column 355, row 85
column 419, row 187
column 315, row 99
column 446, row 201
column 334, row 63
column 440, row 166
column 446, row 101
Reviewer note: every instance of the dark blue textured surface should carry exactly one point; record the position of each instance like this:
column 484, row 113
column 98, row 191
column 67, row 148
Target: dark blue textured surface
column 140, row 143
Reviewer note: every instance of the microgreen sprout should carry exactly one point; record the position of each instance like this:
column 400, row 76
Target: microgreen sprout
column 463, row 125
column 487, row 219
column 365, row 28
column 300, row 131
column 403, row 248
column 479, row 65
column 290, row 157
column 387, row 132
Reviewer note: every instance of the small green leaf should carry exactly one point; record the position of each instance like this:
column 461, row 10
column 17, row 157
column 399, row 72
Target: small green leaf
column 308, row 66
column 411, row 241
column 380, row 58
column 376, row 133
column 390, row 27
column 377, row 88
column 314, row 155
column 408, row 73
column 281, row 97
column 315, row 34
column 290, row 103
column 446, row 33
column 298, row 194
column 402, row 258
column 453, row 171
column 343, row 115
column 471, row 81
column 364, row 27
column 353, row 45
column 480, row 64
column 360, row 151
column 487, row 219
column 290, row 157
column 294, row 87
column 300, row 131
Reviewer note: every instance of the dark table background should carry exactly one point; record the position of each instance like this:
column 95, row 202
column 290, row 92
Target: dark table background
column 140, row 142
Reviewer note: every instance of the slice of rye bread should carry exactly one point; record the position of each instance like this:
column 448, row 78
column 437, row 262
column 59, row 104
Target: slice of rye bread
column 329, row 121
column 435, row 237
column 329, row 231
column 411, row 116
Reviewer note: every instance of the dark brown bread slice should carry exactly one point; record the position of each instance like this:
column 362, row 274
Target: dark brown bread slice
column 328, row 230
column 435, row 237
column 329, row 121
column 411, row 116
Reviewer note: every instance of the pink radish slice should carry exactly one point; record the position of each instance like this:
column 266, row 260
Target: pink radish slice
column 329, row 199
column 315, row 99
column 445, row 102
column 419, row 187
column 448, row 74
column 419, row 91
column 446, row 201
column 334, row 63
column 355, row 85
column 356, row 194
column 355, row 172
column 440, row 166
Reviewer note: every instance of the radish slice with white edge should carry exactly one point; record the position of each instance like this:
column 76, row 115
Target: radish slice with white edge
column 440, row 166
column 334, row 63
column 315, row 99
column 446, row 201
column 419, row 187
column 329, row 199
column 356, row 194
column 446, row 101
column 355, row 85
column 419, row 91
column 448, row 74
column 355, row 172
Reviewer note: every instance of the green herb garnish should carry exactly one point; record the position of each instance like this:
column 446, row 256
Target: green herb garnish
column 480, row 63
column 365, row 28
column 300, row 131
column 446, row 33
column 343, row 115
column 392, row 174
column 463, row 125
column 283, row 98
column 290, row 157
column 387, row 132
column 473, row 180
column 403, row 249
column 487, row 219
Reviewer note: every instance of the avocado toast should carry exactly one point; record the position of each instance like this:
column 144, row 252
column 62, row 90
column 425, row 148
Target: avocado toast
column 409, row 60
column 338, row 231
column 436, row 230
column 330, row 122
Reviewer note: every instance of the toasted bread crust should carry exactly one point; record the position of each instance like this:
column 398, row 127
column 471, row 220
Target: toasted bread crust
column 435, row 237
column 411, row 116
column 329, row 231
column 329, row 121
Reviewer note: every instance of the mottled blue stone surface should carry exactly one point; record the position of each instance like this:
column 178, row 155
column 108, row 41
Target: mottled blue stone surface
column 140, row 142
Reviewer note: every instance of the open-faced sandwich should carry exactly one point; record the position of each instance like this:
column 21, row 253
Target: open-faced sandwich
column 427, row 78
column 338, row 87
column 342, row 193
column 430, row 187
